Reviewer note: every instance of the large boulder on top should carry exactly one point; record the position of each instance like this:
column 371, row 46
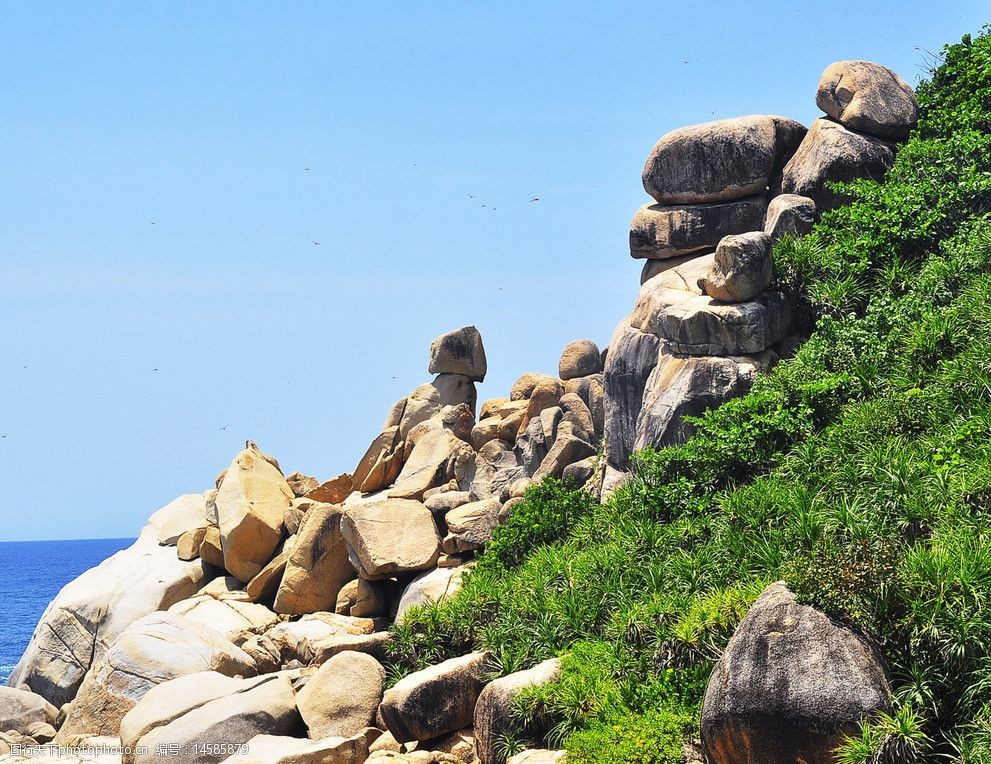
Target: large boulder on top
column 459, row 352
column 579, row 359
column 390, row 537
column 318, row 564
column 494, row 710
column 152, row 650
column 790, row 686
column 789, row 215
column 342, row 696
column 741, row 269
column 92, row 610
column 831, row 152
column 721, row 160
column 435, row 701
column 214, row 713
column 659, row 232
column 20, row 710
column 251, row 508
column 869, row 98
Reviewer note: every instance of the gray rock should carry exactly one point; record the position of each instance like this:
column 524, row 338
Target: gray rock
column 868, row 97
column 459, row 352
column 659, row 232
column 741, row 269
column 496, row 466
column 577, row 474
column 632, row 357
column 579, row 359
column 830, row 152
column 719, row 161
column 789, row 215
column 493, row 712
column 683, row 386
column 790, row 686
column 20, row 709
column 532, row 447
column 435, row 701
column 568, row 448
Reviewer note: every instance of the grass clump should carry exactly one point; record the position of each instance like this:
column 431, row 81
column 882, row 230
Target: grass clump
column 859, row 471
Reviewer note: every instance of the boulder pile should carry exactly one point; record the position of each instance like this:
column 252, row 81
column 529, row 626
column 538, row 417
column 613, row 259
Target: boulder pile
column 707, row 318
column 249, row 623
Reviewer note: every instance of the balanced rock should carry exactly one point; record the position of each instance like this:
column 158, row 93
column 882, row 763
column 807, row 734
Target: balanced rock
column 342, row 696
column 493, row 720
column 20, row 709
column 459, row 352
column 579, row 359
column 832, row 153
column 152, row 650
column 789, row 215
column 318, row 564
column 390, row 537
column 719, row 161
column 790, row 686
column 206, row 716
column 741, row 269
column 92, row 610
column 659, row 232
column 869, row 98
column 251, row 509
column 435, row 701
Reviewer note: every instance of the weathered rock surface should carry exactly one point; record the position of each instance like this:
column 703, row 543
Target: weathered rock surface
column 301, row 484
column 333, row 491
column 437, row 457
column 183, row 514
column 188, row 544
column 433, row 586
column 789, row 215
column 831, row 152
column 789, row 686
column 20, row 709
column 211, row 548
column 496, row 465
column 318, row 565
column 659, row 232
column 459, row 352
column 342, row 696
column 568, row 447
column 524, row 386
column 300, row 640
column 152, row 650
column 233, row 619
column 470, row 526
column 92, row 610
column 282, row 749
column 579, row 359
column 251, row 507
column 683, row 386
column 264, row 586
column 868, row 97
column 390, row 537
column 212, row 712
column 435, row 701
column 493, row 712
column 719, row 161
column 741, row 268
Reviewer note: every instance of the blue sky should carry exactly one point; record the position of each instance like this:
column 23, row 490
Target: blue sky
column 168, row 169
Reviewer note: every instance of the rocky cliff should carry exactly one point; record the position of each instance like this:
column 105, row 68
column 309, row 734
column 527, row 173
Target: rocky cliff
column 250, row 622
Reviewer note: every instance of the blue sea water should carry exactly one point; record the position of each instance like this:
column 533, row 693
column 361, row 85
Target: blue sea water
column 31, row 574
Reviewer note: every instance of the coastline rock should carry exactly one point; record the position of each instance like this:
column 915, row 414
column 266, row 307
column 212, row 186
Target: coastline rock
column 868, row 97
column 659, row 232
column 188, row 544
column 342, row 696
column 390, row 537
column 459, row 352
column 831, row 152
column 186, row 513
column 790, row 686
column 721, row 160
column 435, row 701
column 789, row 215
column 234, row 619
column 20, row 710
column 741, row 268
column 301, row 484
column 211, row 548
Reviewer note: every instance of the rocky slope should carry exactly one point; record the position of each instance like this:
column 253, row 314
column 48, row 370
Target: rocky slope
column 250, row 622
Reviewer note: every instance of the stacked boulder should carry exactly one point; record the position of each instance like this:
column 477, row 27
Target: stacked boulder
column 706, row 320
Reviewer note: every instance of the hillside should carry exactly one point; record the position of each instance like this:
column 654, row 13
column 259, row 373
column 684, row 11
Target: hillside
column 859, row 472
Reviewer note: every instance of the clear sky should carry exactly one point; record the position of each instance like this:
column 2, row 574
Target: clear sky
column 222, row 221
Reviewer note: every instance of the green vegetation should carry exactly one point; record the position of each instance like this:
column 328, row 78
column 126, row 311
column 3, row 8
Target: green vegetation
column 858, row 471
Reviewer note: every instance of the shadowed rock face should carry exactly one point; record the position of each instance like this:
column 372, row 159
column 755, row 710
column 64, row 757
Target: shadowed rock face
column 789, row 686
column 459, row 352
column 869, row 98
column 659, row 232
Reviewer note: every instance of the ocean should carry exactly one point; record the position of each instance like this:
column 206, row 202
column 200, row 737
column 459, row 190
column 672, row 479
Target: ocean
column 31, row 574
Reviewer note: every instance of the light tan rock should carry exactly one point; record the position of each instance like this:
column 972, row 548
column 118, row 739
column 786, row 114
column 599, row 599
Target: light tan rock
column 318, row 564
column 444, row 502
column 493, row 718
column 301, row 484
column 183, row 514
column 433, row 586
column 579, row 359
column 291, row 641
column 653, row 268
column 211, row 549
column 20, row 709
column 342, row 696
column 324, row 648
column 524, row 386
column 470, row 526
column 790, row 215
column 459, row 352
column 188, row 544
column 381, row 463
column 659, row 232
column 574, row 410
column 741, row 268
column 433, row 460
column 333, row 491
column 435, row 701
column 373, row 598
column 568, row 448
column 537, row 756
column 346, row 597
column 152, row 650
column 226, row 588
column 251, row 510
column 544, row 395
column 868, row 97
column 390, row 537
column 235, row 620
column 263, row 587
column 282, row 749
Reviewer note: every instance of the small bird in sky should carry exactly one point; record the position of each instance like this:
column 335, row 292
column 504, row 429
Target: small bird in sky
column 154, row 369
column 307, row 169
column 535, row 199
column 316, row 244
column 153, row 222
